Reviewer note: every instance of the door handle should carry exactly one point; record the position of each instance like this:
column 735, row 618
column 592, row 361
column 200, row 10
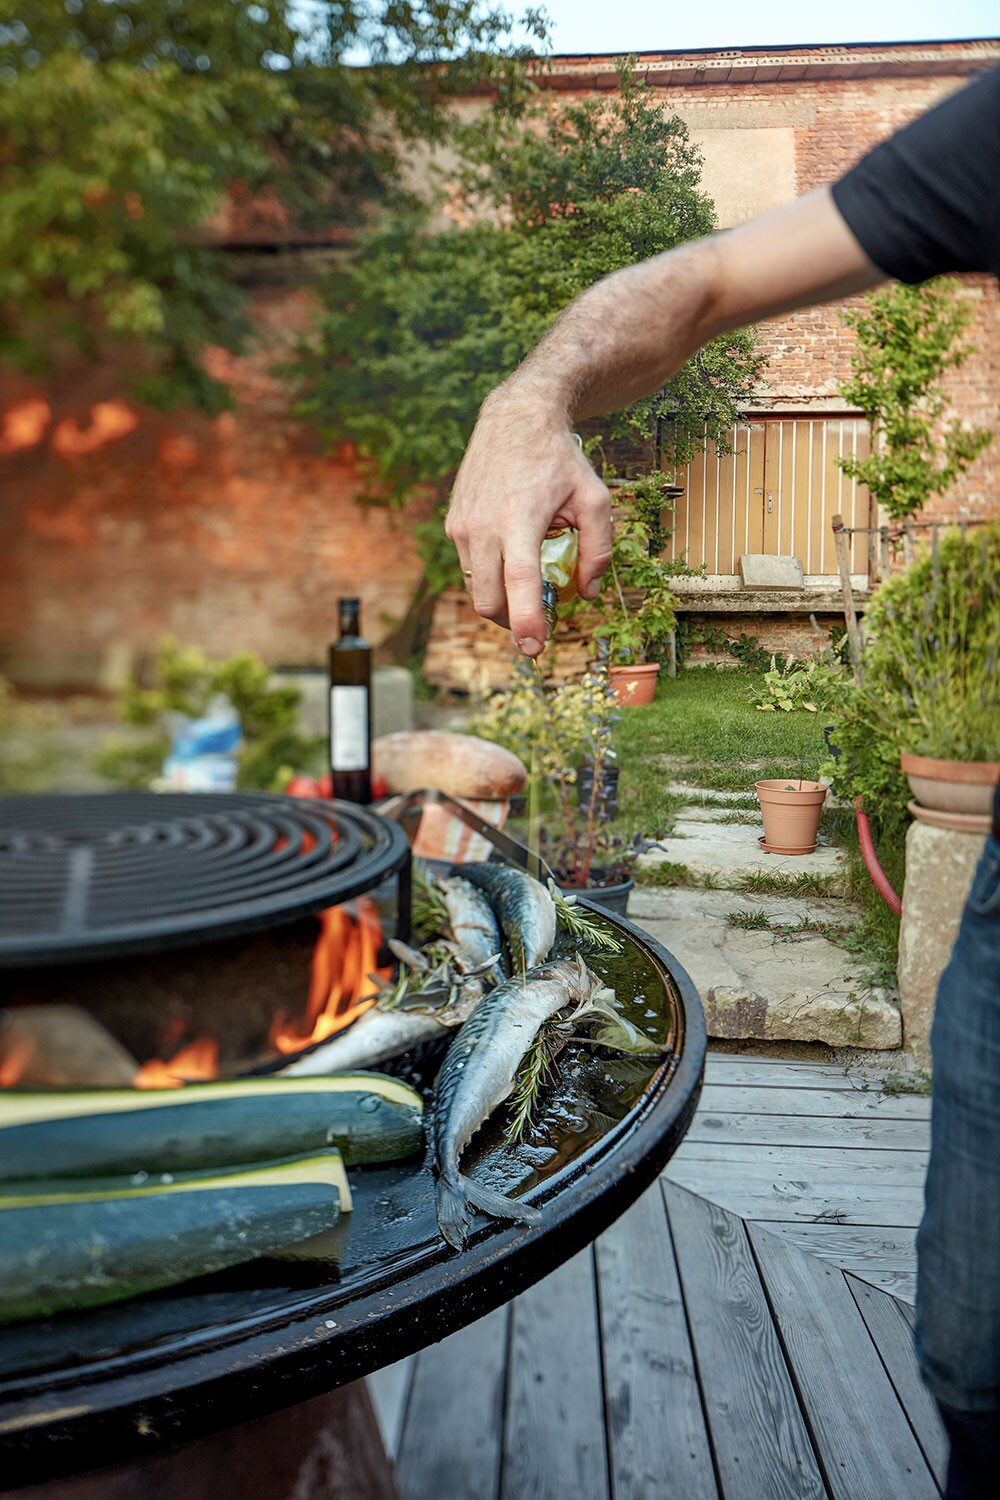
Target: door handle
column 770, row 502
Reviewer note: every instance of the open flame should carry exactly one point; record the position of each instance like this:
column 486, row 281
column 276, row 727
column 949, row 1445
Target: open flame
column 345, row 963
column 342, row 987
column 192, row 1064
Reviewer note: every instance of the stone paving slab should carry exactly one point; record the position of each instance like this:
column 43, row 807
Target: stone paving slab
column 687, row 788
column 721, row 812
column 758, row 984
column 730, row 852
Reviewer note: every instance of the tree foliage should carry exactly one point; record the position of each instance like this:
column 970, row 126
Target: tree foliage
column 124, row 123
column 907, row 338
column 416, row 332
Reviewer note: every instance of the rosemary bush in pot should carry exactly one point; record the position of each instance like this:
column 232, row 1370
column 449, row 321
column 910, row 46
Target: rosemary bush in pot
column 557, row 730
column 931, row 664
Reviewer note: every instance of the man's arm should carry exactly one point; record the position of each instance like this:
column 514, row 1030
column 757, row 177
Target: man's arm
column 620, row 340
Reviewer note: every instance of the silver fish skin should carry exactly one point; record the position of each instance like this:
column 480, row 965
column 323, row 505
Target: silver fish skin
column 380, row 1034
column 473, row 923
column 526, row 911
column 478, row 1074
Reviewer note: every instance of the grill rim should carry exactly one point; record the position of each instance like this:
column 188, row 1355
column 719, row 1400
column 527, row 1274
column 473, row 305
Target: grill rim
column 379, row 847
column 138, row 1412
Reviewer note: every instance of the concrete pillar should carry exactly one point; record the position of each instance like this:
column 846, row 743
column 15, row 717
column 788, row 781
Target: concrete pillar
column 939, row 869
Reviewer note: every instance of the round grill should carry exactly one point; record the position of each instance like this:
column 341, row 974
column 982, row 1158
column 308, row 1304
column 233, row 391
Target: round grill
column 85, row 877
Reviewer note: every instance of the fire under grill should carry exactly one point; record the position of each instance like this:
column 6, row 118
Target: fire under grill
column 166, row 917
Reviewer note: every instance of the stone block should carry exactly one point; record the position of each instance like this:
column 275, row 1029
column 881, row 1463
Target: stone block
column 775, row 985
column 758, row 570
column 939, row 868
column 392, row 700
column 312, row 684
column 868, row 1019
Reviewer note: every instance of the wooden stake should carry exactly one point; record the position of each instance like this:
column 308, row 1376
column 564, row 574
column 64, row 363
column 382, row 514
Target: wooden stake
column 850, row 613
column 907, row 543
column 885, row 567
column 671, row 663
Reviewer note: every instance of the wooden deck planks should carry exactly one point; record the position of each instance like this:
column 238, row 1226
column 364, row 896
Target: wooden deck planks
column 762, row 1446
column 845, row 1103
column 861, row 1246
column 892, row 1333
column 720, row 1127
column 756, row 1191
column 657, row 1436
column 864, row 1438
column 722, row 1361
column 822, row 1163
column 763, row 1072
column 453, row 1428
column 554, row 1442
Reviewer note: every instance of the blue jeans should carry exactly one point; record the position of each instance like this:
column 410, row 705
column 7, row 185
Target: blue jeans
column 958, row 1245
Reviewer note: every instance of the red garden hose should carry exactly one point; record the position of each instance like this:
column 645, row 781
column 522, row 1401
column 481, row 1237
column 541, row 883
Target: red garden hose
column 875, row 870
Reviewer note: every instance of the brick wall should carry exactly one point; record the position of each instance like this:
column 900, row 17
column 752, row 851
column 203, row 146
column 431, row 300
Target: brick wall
column 118, row 525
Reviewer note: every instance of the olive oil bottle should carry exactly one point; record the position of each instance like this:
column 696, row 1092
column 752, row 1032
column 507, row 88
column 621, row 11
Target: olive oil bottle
column 350, row 709
column 559, row 556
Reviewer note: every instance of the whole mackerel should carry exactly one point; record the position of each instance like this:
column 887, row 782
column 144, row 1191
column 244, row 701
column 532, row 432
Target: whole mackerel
column 477, row 1075
column 383, row 1032
column 380, row 1033
column 526, row 911
column 473, row 923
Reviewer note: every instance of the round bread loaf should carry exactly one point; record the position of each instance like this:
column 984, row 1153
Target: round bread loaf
column 460, row 764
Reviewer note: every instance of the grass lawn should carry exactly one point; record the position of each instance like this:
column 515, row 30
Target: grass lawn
column 702, row 729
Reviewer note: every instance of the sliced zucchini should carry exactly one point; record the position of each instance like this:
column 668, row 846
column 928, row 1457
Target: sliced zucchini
column 368, row 1117
column 71, row 1249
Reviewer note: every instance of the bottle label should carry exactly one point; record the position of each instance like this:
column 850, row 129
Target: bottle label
column 348, row 728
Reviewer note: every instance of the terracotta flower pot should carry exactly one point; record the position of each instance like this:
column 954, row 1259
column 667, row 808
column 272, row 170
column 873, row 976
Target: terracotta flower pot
column 791, row 810
column 634, row 685
column 952, row 786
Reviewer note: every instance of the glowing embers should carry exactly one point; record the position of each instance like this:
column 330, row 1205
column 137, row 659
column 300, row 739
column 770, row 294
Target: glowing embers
column 67, row 1046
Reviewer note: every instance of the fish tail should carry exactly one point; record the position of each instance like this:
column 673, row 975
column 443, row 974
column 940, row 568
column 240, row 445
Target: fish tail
column 453, row 1210
column 454, row 1195
column 495, row 1204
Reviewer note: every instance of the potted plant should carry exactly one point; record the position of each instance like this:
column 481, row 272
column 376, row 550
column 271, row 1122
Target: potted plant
column 560, row 732
column 637, row 604
column 791, row 810
column 929, row 703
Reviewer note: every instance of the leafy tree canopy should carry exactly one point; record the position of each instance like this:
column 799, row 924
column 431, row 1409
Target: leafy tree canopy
column 123, row 124
column 423, row 324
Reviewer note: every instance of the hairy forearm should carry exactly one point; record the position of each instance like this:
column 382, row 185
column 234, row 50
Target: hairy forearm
column 627, row 335
column 622, row 339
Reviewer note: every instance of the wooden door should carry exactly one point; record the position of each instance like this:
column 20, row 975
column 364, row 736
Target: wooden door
column 776, row 492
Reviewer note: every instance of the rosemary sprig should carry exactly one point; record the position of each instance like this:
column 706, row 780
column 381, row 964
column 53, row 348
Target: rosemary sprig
column 581, row 924
column 534, row 1073
column 428, row 911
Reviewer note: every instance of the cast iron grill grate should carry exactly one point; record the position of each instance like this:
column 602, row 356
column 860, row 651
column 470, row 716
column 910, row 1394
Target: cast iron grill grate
column 86, row 877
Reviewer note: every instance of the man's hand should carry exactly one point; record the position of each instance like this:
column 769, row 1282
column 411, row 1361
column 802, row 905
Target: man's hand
column 621, row 339
column 522, row 474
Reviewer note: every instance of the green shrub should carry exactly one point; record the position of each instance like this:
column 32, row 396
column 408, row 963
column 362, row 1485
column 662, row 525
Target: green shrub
column 795, row 684
column 930, row 670
column 28, row 761
column 183, row 681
